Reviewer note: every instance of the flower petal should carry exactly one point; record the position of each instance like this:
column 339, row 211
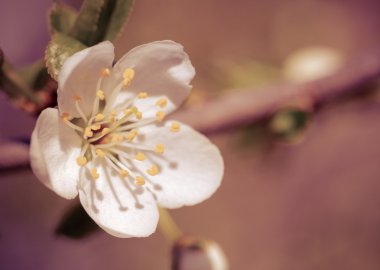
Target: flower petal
column 162, row 69
column 79, row 75
column 191, row 167
column 115, row 204
column 53, row 152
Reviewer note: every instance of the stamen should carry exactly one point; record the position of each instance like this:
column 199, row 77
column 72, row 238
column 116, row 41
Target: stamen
column 81, row 161
column 139, row 181
column 124, row 173
column 162, row 102
column 131, row 135
column 100, row 153
column 138, row 115
column 175, row 127
column 117, row 138
column 153, row 170
column 99, row 117
column 136, row 124
column 96, row 127
column 77, row 100
column 66, row 119
column 88, row 133
column 100, row 94
column 128, row 112
column 128, row 76
column 140, row 156
column 159, row 148
column 105, row 72
column 142, row 95
column 94, row 173
column 160, row 116
column 105, row 131
column 134, row 109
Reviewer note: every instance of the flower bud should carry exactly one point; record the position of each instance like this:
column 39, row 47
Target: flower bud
column 197, row 254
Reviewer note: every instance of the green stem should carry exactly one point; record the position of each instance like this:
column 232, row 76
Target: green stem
column 168, row 227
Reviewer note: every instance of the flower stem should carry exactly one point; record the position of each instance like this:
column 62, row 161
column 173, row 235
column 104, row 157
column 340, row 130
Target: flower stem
column 168, row 227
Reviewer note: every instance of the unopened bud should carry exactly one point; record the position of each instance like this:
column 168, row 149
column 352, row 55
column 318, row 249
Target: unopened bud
column 197, row 254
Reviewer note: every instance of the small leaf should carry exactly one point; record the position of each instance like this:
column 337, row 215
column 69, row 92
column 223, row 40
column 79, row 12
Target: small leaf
column 100, row 20
column 289, row 123
column 58, row 50
column 76, row 223
column 119, row 18
column 61, row 18
column 86, row 24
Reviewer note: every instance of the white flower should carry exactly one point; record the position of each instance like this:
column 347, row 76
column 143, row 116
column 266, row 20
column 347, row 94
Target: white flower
column 107, row 141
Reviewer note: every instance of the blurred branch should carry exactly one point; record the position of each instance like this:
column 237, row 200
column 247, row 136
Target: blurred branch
column 240, row 108
column 247, row 106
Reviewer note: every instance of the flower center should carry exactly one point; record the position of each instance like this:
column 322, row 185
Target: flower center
column 109, row 134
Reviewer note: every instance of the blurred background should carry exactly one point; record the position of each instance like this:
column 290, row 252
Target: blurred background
column 301, row 188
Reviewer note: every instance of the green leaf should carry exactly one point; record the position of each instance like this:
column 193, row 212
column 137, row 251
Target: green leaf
column 61, row 18
column 58, row 50
column 119, row 18
column 76, row 223
column 86, row 24
column 100, row 20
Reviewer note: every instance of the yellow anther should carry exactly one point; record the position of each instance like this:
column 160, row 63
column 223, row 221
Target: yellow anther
column 100, row 153
column 159, row 148
column 140, row 156
column 175, row 127
column 142, row 95
column 94, row 173
column 81, row 161
column 134, row 109
column 77, row 98
column 131, row 135
column 112, row 116
column 160, row 116
column 100, row 94
column 162, row 102
column 124, row 173
column 105, row 131
column 139, row 181
column 105, row 72
column 127, row 112
column 65, row 117
column 138, row 115
column 99, row 117
column 95, row 127
column 88, row 133
column 117, row 138
column 129, row 74
column 153, row 170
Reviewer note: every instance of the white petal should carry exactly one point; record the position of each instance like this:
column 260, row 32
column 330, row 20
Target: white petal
column 79, row 75
column 53, row 152
column 116, row 205
column 162, row 69
column 191, row 166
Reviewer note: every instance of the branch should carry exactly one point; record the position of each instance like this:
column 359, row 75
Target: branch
column 244, row 107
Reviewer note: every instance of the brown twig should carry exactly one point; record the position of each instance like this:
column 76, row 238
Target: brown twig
column 244, row 107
